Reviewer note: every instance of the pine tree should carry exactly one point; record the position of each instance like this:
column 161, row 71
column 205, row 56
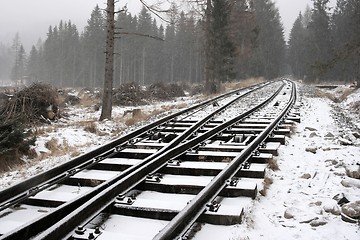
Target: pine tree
column 6, row 62
column 92, row 50
column 345, row 61
column 268, row 57
column 297, row 43
column 219, row 48
column 244, row 32
column 33, row 65
column 18, row 69
column 319, row 40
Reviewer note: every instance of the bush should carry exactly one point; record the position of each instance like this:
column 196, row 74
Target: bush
column 31, row 104
column 15, row 142
column 129, row 94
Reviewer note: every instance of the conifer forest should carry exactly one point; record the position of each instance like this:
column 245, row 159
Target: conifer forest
column 223, row 40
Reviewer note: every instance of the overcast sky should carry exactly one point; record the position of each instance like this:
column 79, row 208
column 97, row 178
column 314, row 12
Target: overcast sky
column 32, row 18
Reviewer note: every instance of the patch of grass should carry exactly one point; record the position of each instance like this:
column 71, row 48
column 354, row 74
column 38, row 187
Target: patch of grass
column 273, row 164
column 15, row 142
column 52, row 145
column 266, row 185
column 180, row 106
column 89, row 102
column 90, row 127
column 243, row 83
column 137, row 116
column 75, row 154
column 337, row 96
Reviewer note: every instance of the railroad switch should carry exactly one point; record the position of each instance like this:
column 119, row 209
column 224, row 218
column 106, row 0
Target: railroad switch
column 233, row 181
column 122, row 199
column 256, row 153
column 243, row 139
column 246, row 165
column 82, row 233
column 169, row 137
column 157, row 136
column 174, row 162
column 213, row 206
column 71, row 172
column 32, row 190
column 156, row 177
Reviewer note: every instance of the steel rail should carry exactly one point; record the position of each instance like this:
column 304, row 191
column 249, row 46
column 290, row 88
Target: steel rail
column 98, row 203
column 19, row 192
column 32, row 228
column 180, row 224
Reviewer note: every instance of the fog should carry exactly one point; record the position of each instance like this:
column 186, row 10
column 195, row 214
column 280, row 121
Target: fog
column 32, row 18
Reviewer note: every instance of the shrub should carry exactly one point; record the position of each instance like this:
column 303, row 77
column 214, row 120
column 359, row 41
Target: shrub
column 15, row 142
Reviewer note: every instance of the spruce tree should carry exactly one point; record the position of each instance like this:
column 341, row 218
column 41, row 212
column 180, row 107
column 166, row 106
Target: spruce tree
column 319, row 40
column 268, row 56
column 92, row 50
column 219, row 48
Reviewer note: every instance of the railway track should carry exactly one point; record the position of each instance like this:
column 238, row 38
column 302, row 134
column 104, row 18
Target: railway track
column 196, row 166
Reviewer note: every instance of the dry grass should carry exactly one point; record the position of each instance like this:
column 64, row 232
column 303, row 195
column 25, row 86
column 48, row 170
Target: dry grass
column 273, row 164
column 136, row 118
column 89, row 102
column 90, row 127
column 52, row 145
column 139, row 116
column 38, row 131
column 337, row 97
column 58, row 150
column 266, row 185
column 243, row 83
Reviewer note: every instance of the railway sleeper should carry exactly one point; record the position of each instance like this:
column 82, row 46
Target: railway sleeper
column 185, row 168
column 279, row 131
column 163, row 206
column 177, row 165
column 216, row 218
column 242, row 189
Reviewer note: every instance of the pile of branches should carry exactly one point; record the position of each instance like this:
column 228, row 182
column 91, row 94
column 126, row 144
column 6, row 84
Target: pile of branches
column 34, row 104
column 132, row 94
column 161, row 91
column 129, row 94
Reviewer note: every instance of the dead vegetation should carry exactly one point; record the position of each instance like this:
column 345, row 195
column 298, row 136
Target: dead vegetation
column 38, row 105
column 338, row 96
column 273, row 164
column 132, row 94
column 35, row 104
column 266, row 185
column 129, row 94
column 243, row 83
column 15, row 142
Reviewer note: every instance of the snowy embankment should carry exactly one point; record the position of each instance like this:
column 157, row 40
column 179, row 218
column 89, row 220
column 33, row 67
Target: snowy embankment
column 301, row 202
column 79, row 131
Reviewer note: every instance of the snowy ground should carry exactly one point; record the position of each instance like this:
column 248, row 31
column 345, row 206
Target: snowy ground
column 313, row 168
column 79, row 131
column 299, row 203
column 301, row 196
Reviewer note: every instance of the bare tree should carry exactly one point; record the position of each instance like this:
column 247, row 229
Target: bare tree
column 109, row 61
column 109, row 54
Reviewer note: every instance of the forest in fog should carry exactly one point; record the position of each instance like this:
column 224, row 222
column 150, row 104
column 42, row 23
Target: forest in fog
column 244, row 37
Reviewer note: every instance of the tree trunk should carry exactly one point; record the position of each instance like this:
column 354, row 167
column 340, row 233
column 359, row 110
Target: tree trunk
column 109, row 62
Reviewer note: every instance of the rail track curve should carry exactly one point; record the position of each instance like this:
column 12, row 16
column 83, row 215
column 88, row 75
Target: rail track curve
column 176, row 173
